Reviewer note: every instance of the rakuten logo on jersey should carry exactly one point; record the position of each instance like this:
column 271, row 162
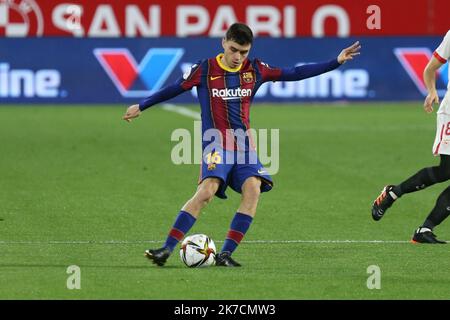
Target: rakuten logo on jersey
column 15, row 83
column 229, row 94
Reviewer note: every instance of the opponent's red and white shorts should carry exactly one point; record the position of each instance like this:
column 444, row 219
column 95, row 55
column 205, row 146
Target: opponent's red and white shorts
column 442, row 141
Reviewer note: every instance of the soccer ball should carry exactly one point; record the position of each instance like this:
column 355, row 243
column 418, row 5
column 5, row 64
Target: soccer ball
column 198, row 250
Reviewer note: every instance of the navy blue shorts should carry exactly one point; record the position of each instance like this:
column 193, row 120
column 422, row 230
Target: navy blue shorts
column 233, row 168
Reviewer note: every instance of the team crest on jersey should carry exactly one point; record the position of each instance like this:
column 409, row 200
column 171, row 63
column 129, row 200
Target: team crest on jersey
column 247, row 77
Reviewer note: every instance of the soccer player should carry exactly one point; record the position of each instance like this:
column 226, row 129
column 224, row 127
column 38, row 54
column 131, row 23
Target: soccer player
column 431, row 175
column 226, row 85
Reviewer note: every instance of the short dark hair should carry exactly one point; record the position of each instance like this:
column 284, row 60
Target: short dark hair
column 239, row 33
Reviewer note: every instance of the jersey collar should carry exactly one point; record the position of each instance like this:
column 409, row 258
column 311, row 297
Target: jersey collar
column 224, row 67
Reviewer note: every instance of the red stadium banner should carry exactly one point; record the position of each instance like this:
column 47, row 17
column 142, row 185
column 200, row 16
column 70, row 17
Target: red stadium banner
column 282, row 18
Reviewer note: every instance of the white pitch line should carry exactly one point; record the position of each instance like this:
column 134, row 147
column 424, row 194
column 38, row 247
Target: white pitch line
column 182, row 110
column 249, row 242
column 327, row 241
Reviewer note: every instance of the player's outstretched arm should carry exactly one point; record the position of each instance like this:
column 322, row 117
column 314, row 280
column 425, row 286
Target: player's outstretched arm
column 349, row 53
column 429, row 77
column 187, row 82
column 159, row 96
column 311, row 69
column 132, row 112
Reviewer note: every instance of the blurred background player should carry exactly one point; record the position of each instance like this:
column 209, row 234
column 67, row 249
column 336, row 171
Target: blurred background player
column 431, row 175
column 226, row 85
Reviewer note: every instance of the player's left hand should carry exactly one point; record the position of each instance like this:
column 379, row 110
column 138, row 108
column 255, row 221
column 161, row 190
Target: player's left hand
column 349, row 53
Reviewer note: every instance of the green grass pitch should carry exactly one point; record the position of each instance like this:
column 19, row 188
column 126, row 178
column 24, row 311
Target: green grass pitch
column 79, row 186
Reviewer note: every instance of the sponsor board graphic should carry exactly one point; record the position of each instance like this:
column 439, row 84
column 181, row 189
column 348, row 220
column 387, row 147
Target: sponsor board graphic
column 414, row 61
column 20, row 18
column 128, row 76
column 25, row 83
column 71, row 70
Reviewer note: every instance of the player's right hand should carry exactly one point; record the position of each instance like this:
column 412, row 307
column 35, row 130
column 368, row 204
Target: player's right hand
column 132, row 112
column 431, row 98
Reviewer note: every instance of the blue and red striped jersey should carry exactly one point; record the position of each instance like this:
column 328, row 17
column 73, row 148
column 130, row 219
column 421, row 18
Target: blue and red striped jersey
column 225, row 94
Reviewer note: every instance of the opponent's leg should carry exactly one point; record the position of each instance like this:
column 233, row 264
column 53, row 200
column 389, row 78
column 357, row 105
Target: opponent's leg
column 441, row 210
column 419, row 181
column 241, row 222
column 425, row 177
column 185, row 220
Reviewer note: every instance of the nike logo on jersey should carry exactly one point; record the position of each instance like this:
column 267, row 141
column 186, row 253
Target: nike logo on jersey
column 214, row 78
column 262, row 171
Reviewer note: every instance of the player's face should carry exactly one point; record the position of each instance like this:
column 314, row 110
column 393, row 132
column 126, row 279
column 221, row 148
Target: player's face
column 234, row 53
